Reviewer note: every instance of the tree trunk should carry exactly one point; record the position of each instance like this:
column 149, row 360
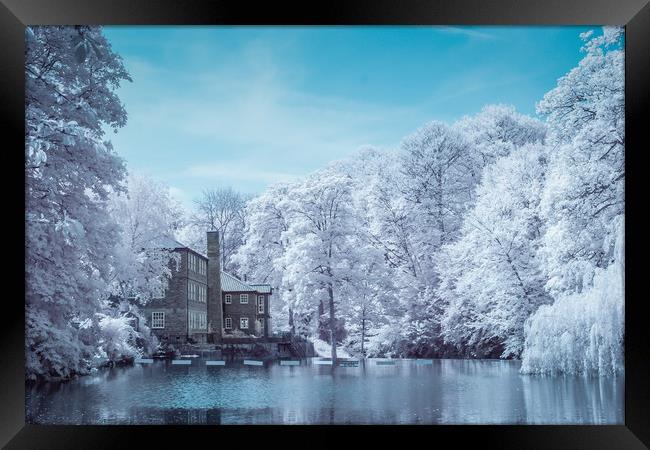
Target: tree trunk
column 441, row 222
column 363, row 336
column 330, row 292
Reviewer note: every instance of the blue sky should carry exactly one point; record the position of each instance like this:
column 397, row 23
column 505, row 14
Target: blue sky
column 249, row 106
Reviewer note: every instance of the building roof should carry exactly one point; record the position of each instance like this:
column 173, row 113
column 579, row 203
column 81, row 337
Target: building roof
column 231, row 284
column 262, row 288
column 165, row 242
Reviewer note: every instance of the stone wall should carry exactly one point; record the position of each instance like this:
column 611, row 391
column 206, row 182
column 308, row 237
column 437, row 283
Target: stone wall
column 215, row 316
column 176, row 305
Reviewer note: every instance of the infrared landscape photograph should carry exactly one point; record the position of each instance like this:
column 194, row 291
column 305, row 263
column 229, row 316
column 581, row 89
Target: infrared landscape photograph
column 324, row 225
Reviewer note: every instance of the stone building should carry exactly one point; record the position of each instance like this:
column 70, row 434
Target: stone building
column 245, row 307
column 202, row 303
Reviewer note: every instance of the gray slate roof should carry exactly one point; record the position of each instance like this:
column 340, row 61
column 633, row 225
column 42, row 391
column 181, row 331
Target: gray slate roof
column 262, row 288
column 165, row 242
column 231, row 284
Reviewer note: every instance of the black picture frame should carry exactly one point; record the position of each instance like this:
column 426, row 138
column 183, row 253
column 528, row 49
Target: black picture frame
column 634, row 14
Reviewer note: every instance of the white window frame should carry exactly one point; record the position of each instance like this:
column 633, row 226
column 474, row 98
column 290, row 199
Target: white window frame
column 243, row 320
column 228, row 323
column 228, row 299
column 157, row 320
column 241, row 299
column 260, row 304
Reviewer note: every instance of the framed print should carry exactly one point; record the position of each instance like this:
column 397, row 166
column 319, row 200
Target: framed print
column 363, row 216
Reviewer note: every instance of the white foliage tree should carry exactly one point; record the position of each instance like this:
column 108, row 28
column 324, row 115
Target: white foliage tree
column 71, row 77
column 264, row 244
column 148, row 217
column 582, row 333
column 583, row 205
column 490, row 276
column 318, row 259
column 144, row 263
column 497, row 130
column 584, row 194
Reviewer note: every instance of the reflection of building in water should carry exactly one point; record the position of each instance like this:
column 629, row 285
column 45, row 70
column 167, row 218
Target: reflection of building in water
column 175, row 416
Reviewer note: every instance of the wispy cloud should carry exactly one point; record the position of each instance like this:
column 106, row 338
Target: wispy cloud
column 257, row 115
column 250, row 107
column 468, row 31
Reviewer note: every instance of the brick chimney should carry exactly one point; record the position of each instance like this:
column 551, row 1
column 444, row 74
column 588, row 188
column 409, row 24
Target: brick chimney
column 215, row 313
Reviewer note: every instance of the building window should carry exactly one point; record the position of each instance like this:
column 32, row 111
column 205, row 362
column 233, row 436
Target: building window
column 228, row 299
column 228, row 323
column 158, row 319
column 243, row 323
column 192, row 291
column 196, row 292
column 260, row 304
column 243, row 299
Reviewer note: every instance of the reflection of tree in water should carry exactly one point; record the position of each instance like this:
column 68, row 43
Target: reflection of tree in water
column 447, row 391
column 573, row 399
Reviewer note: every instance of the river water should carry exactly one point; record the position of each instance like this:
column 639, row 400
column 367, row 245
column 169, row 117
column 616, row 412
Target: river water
column 409, row 392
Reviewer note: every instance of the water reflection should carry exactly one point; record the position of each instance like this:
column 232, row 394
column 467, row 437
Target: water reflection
column 446, row 392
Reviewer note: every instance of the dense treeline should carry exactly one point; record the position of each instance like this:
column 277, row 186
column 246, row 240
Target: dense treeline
column 496, row 236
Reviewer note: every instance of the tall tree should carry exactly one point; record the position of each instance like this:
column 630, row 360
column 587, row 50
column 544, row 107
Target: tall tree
column 148, row 217
column 222, row 210
column 584, row 194
column 491, row 278
column 583, row 205
column 71, row 74
column 264, row 244
column 421, row 206
column 317, row 259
